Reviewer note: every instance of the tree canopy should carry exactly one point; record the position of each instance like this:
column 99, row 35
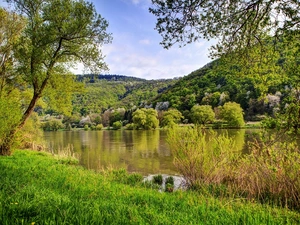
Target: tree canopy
column 236, row 24
column 57, row 34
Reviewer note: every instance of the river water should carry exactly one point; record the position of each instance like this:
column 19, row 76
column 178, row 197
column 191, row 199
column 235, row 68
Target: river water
column 145, row 152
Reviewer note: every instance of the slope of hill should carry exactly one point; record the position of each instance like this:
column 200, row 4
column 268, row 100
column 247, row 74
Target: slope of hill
column 208, row 86
column 106, row 91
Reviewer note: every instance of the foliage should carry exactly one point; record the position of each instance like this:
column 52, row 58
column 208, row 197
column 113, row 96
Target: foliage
column 56, row 35
column 116, row 115
column 31, row 132
column 53, row 125
column 130, row 126
column 171, row 118
column 200, row 158
column 10, row 115
column 117, row 92
column 236, row 24
column 270, row 173
column 158, row 179
column 99, row 127
column 202, row 114
column 258, row 46
column 232, row 113
column 46, row 191
column 60, row 92
column 117, row 125
column 145, row 119
column 11, row 27
column 169, row 184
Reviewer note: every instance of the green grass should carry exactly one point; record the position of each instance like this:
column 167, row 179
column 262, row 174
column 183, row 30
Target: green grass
column 36, row 188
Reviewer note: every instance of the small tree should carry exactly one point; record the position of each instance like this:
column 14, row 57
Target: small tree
column 145, row 119
column 117, row 125
column 202, row 114
column 171, row 118
column 232, row 113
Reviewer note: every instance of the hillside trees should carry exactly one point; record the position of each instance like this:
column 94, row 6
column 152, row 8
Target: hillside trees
column 259, row 39
column 57, row 35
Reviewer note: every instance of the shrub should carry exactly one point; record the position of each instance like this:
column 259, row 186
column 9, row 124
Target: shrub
column 169, row 184
column 86, row 127
column 170, row 180
column 130, row 126
column 117, row 125
column 99, row 127
column 158, row 179
column 53, row 125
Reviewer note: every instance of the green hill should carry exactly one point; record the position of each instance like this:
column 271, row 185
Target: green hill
column 113, row 91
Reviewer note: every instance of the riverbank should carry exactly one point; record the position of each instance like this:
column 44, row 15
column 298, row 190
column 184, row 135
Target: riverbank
column 37, row 188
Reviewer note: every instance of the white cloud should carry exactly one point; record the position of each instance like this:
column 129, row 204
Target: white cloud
column 138, row 62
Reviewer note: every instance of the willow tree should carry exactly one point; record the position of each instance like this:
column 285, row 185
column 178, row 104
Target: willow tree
column 58, row 34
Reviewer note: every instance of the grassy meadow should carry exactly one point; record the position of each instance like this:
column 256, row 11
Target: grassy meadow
column 38, row 188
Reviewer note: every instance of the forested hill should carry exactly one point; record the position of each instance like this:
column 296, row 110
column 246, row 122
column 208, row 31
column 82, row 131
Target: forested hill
column 112, row 91
column 209, row 86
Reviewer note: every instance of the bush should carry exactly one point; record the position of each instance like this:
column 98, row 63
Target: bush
column 130, row 126
column 169, row 184
column 10, row 116
column 158, row 179
column 99, row 127
column 53, row 125
column 117, row 125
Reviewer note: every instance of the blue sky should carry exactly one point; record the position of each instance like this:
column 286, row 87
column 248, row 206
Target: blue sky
column 135, row 49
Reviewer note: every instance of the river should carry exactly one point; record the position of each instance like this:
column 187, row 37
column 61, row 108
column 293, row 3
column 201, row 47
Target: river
column 145, row 152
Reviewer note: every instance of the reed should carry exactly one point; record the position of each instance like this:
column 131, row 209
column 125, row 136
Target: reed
column 270, row 173
column 202, row 159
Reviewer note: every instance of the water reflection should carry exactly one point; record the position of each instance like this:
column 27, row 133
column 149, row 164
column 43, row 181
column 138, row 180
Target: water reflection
column 145, row 152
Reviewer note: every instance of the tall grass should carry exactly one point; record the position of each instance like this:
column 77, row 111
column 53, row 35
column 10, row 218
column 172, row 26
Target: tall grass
column 201, row 156
column 270, row 173
column 36, row 188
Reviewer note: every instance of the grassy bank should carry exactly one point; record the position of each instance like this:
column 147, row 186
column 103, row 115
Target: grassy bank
column 36, row 188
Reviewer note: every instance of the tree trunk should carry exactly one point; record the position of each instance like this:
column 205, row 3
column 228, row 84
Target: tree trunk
column 7, row 142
